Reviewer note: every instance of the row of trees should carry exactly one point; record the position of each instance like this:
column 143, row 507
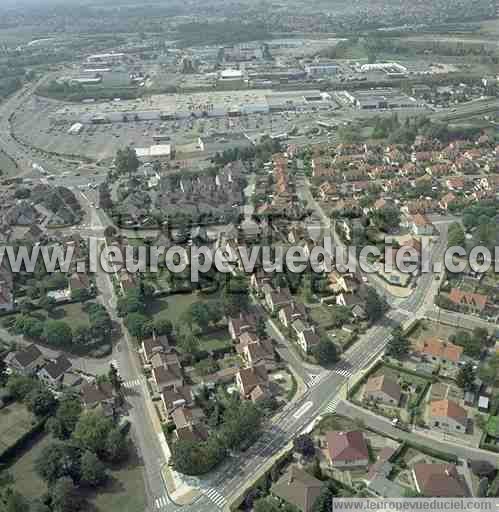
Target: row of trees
column 59, row 333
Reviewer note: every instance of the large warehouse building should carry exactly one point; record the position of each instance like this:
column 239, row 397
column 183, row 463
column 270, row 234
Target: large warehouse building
column 211, row 104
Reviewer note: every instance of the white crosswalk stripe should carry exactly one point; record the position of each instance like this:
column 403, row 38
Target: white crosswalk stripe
column 161, row 502
column 132, row 383
column 331, row 406
column 343, row 372
column 214, row 496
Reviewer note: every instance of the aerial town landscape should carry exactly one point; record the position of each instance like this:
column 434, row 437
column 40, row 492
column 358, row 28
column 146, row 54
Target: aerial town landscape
column 161, row 165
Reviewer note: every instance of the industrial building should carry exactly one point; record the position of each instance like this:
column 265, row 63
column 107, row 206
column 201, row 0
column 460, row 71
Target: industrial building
column 106, row 58
column 380, row 99
column 321, row 69
column 197, row 105
column 155, row 151
column 392, row 69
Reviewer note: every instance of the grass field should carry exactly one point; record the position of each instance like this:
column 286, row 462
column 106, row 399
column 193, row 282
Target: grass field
column 493, row 426
column 15, row 421
column 27, row 481
column 174, row 306
column 216, row 340
column 124, row 492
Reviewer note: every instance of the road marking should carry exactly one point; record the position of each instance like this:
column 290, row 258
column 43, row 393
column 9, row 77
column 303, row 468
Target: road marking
column 315, row 379
column 302, row 410
column 161, row 502
column 331, row 406
column 343, row 372
column 132, row 383
column 214, row 496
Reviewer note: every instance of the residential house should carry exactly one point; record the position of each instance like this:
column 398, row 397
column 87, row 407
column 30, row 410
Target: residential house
column 187, row 417
column 277, row 298
column 475, row 302
column 52, row 373
column 347, row 450
column 291, row 312
column 252, row 382
column 421, row 225
column 79, row 282
column 438, row 351
column 298, row 489
column 308, row 339
column 383, row 389
column 245, row 322
column 258, row 352
column 448, row 201
column 173, row 398
column 98, row 395
column 164, row 359
column 169, row 375
column 26, row 361
column 154, row 345
column 456, row 183
column 328, row 192
column 439, row 481
column 259, row 279
column 449, row 416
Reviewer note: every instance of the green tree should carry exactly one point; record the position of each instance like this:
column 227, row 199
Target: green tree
column 138, row 325
column 58, row 460
column 126, row 161
column 199, row 313
column 261, row 328
column 65, row 497
column 399, row 344
column 456, row 236
column 325, row 352
column 40, row 401
column 92, row 430
column 466, row 377
column 197, row 458
column 304, row 445
column 187, row 340
column 20, row 386
column 93, row 471
column 116, row 445
column 375, row 305
column 58, row 333
column 114, row 378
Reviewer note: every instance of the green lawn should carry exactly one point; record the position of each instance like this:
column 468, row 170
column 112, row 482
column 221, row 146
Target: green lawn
column 27, row 481
column 216, row 341
column 174, row 306
column 336, row 422
column 125, row 491
column 15, row 421
column 74, row 314
column 493, row 426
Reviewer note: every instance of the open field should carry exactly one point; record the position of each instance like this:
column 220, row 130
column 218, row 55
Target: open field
column 174, row 306
column 28, row 483
column 124, row 492
column 215, row 341
column 15, row 421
